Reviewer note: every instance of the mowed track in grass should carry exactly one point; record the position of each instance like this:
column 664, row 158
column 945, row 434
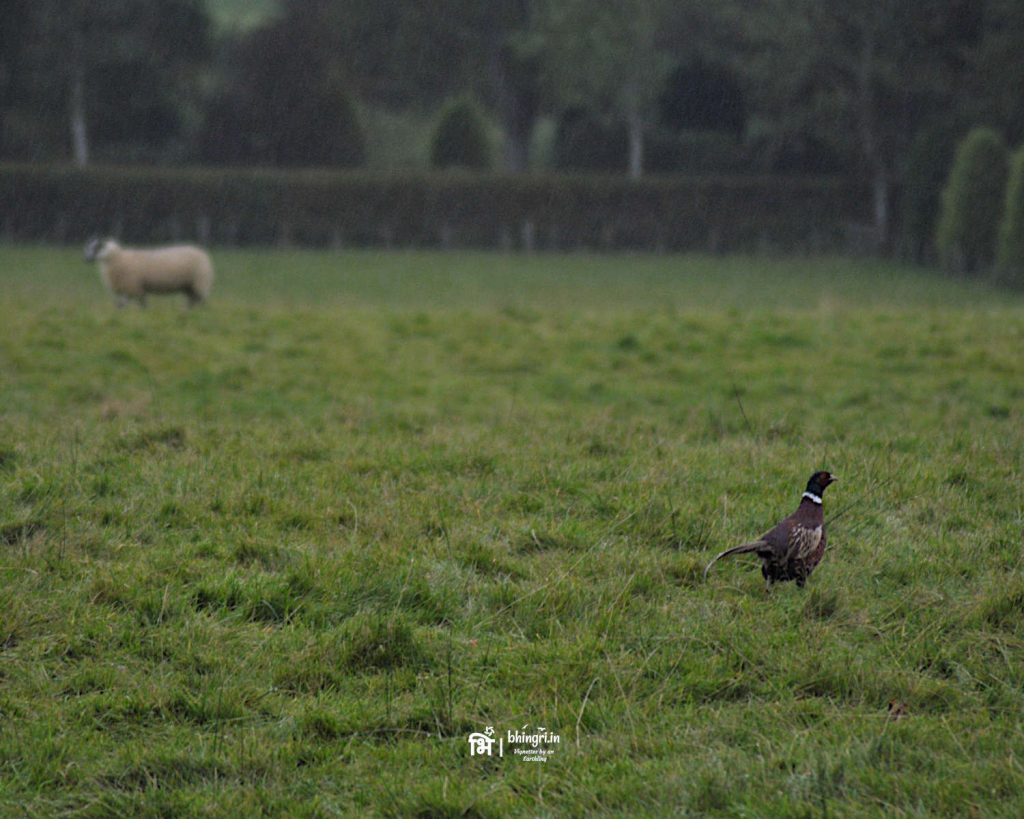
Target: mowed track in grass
column 284, row 553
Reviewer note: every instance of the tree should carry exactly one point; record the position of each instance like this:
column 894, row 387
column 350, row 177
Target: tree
column 513, row 59
column 612, row 57
column 1010, row 253
column 14, row 35
column 926, row 171
column 401, row 54
column 972, row 203
column 286, row 101
column 461, row 138
column 585, row 141
column 862, row 75
column 491, row 51
column 702, row 96
column 607, row 57
column 128, row 64
column 992, row 91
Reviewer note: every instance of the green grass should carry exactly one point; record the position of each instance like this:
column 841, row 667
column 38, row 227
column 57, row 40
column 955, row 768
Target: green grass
column 284, row 553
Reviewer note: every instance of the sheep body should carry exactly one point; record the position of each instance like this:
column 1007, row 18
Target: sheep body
column 135, row 273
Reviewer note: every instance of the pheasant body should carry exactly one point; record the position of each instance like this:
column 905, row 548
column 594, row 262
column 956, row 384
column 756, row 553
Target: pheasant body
column 793, row 548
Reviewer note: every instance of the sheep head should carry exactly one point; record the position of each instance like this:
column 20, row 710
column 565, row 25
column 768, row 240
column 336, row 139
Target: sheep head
column 97, row 248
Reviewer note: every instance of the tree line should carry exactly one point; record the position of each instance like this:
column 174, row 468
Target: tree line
column 879, row 89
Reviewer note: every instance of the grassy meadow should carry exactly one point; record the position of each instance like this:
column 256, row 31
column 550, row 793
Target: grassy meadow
column 284, row 553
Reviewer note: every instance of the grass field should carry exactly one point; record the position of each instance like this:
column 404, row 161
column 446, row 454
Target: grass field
column 285, row 553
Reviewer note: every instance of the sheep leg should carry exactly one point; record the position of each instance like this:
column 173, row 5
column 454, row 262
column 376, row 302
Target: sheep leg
column 121, row 302
column 142, row 301
column 194, row 299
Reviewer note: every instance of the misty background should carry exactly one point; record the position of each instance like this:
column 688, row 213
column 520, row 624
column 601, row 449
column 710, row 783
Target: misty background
column 876, row 92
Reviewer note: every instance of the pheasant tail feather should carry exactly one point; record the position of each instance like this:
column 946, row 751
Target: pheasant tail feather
column 746, row 548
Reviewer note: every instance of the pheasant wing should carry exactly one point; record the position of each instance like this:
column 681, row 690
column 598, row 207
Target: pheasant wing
column 803, row 541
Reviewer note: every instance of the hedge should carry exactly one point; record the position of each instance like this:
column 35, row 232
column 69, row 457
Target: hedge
column 1010, row 251
column 447, row 209
column 972, row 203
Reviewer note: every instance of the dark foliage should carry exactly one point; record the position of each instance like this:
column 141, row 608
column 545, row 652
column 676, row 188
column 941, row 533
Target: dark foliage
column 58, row 203
column 927, row 169
column 1010, row 253
column 703, row 97
column 284, row 107
column 461, row 139
column 587, row 142
column 972, row 203
column 137, row 64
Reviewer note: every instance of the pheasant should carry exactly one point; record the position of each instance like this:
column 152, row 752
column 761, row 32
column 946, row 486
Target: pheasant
column 794, row 547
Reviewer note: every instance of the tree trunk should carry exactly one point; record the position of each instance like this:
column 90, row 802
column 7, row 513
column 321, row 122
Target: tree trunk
column 635, row 126
column 518, row 116
column 870, row 147
column 76, row 112
column 880, row 194
column 515, row 79
column 517, row 146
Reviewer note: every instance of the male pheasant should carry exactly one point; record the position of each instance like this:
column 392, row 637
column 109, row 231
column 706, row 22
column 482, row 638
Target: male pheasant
column 794, row 547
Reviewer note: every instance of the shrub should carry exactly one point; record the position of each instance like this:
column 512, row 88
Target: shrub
column 972, row 203
column 461, row 139
column 1010, row 254
column 925, row 173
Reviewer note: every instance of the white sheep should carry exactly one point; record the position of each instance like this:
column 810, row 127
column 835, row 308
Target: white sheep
column 134, row 274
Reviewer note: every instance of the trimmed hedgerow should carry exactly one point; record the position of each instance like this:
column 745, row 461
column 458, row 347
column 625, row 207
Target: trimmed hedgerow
column 323, row 208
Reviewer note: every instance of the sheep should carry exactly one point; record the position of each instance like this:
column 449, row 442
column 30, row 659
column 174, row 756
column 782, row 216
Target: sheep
column 134, row 274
